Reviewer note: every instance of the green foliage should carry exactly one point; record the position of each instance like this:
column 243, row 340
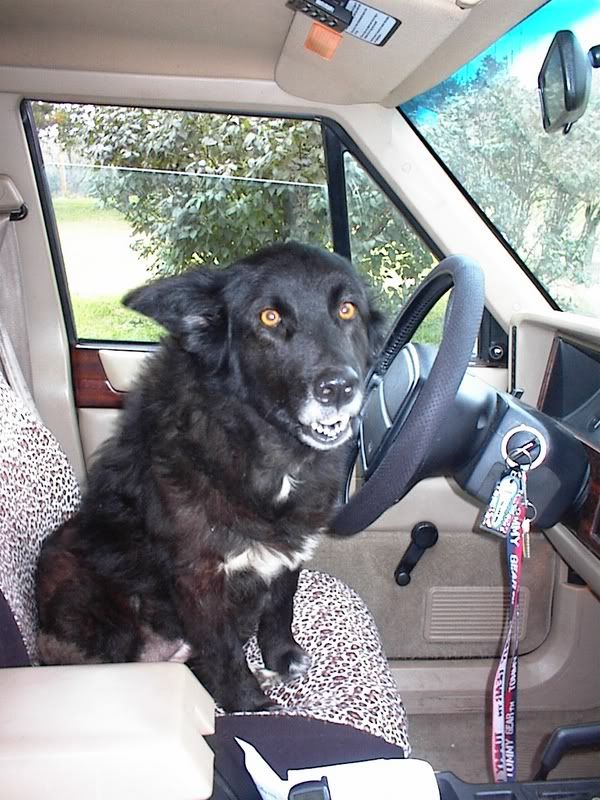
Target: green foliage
column 540, row 191
column 202, row 188
column 209, row 188
column 386, row 250
column 431, row 329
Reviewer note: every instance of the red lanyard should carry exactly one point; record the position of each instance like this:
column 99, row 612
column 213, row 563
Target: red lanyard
column 507, row 515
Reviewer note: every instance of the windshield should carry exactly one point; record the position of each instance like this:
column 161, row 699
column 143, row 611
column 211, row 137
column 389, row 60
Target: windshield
column 541, row 191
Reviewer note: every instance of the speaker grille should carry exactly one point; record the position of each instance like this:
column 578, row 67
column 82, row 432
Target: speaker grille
column 471, row 613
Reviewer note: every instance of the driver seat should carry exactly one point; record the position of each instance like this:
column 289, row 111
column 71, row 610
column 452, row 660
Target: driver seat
column 349, row 682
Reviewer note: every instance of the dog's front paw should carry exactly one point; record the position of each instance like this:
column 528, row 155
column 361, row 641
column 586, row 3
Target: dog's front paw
column 268, row 678
column 251, row 699
column 299, row 663
column 289, row 664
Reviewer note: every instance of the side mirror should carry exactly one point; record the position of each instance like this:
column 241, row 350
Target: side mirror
column 564, row 83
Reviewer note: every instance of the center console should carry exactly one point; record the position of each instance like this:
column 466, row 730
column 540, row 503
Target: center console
column 452, row 788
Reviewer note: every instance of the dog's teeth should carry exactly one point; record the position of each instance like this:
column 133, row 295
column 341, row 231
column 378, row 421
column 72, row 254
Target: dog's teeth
column 331, row 430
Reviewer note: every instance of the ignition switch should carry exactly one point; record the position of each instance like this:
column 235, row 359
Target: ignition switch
column 524, row 446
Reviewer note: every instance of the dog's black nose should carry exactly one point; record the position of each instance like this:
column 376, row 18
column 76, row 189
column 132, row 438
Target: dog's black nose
column 336, row 386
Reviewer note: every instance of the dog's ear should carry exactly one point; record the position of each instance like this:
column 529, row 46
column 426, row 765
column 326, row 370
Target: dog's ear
column 377, row 328
column 191, row 308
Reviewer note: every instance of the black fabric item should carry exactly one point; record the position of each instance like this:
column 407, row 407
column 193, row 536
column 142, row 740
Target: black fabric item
column 399, row 468
column 285, row 743
column 12, row 649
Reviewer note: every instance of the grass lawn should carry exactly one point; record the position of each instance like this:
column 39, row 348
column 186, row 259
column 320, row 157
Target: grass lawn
column 83, row 209
column 104, row 318
column 101, row 267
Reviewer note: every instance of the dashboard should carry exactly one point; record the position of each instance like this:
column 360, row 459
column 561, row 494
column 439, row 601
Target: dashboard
column 570, row 394
column 571, row 390
column 555, row 364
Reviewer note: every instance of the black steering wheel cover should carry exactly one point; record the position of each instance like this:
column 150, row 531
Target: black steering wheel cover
column 399, row 467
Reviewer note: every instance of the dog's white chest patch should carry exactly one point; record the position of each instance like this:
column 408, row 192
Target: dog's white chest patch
column 287, row 484
column 268, row 561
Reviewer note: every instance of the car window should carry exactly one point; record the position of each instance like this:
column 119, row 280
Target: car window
column 141, row 193
column 540, row 190
column 387, row 250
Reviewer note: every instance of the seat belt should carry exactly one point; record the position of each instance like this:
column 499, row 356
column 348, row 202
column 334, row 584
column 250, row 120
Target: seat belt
column 11, row 369
column 14, row 345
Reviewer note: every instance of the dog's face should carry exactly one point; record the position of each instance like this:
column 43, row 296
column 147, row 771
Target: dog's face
column 291, row 330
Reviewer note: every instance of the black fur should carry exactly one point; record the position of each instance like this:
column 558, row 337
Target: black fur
column 195, row 474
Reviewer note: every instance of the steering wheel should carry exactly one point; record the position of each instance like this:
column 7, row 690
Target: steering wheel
column 395, row 445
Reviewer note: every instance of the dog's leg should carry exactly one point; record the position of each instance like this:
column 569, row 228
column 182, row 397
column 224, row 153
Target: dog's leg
column 84, row 618
column 284, row 659
column 222, row 669
column 210, row 625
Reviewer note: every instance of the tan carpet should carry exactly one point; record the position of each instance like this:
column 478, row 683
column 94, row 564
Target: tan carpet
column 459, row 743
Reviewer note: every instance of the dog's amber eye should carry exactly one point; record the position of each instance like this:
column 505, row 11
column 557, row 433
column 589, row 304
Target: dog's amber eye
column 270, row 317
column 347, row 310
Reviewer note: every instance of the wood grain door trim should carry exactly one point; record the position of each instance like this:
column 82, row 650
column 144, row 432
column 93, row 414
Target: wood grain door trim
column 90, row 383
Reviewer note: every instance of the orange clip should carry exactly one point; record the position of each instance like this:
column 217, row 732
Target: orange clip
column 322, row 40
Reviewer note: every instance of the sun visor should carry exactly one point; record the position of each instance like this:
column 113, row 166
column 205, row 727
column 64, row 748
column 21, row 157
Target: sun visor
column 383, row 43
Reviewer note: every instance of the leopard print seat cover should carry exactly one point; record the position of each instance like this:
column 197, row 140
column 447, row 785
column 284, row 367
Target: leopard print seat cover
column 349, row 680
column 38, row 492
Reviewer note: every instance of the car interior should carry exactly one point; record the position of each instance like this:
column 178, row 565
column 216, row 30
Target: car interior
column 407, row 135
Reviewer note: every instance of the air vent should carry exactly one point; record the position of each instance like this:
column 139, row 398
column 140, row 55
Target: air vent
column 471, row 614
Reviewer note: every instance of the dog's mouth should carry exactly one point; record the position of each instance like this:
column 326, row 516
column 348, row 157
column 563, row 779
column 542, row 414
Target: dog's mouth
column 324, row 427
column 323, row 434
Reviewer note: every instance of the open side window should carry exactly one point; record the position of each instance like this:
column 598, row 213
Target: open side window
column 132, row 194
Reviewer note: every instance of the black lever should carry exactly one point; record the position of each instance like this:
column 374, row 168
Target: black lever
column 310, row 790
column 424, row 535
column 565, row 739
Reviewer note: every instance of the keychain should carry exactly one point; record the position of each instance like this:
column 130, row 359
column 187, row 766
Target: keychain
column 509, row 499
column 506, row 515
column 498, row 516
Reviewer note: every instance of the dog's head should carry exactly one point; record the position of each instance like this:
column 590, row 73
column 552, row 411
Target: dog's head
column 290, row 329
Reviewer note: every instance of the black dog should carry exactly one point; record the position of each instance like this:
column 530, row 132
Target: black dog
column 227, row 465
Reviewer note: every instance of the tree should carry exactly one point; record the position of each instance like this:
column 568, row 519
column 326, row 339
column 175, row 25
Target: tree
column 209, row 188
column 539, row 190
column 385, row 248
column 202, row 188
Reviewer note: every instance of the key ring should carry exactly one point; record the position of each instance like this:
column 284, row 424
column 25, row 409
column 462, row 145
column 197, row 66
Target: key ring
column 524, row 451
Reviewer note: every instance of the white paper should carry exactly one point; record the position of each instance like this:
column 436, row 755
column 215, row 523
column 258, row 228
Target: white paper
column 385, row 779
column 268, row 782
column 368, row 23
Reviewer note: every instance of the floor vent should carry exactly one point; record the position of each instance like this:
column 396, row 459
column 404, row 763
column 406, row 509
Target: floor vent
column 471, row 614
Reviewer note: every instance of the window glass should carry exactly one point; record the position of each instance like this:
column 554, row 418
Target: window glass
column 540, row 190
column 142, row 193
column 386, row 249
